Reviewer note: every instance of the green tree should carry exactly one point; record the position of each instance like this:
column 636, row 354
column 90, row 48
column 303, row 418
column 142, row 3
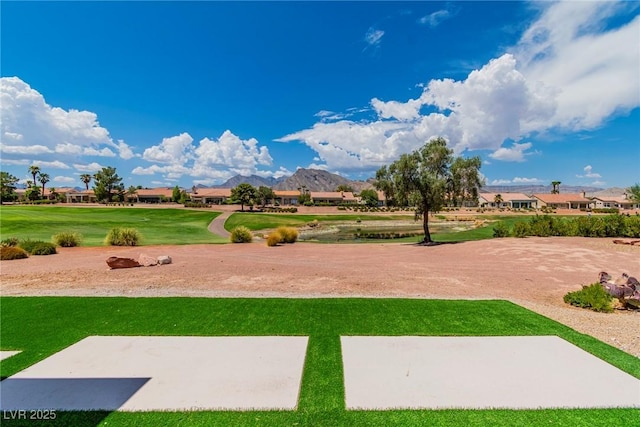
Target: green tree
column 245, row 194
column 369, row 197
column 420, row 179
column 8, row 187
column 132, row 192
column 43, row 178
column 175, row 194
column 498, row 200
column 86, row 179
column 633, row 193
column 34, row 171
column 33, row 191
column 106, row 183
column 264, row 194
column 556, row 187
column 464, row 181
column 344, row 188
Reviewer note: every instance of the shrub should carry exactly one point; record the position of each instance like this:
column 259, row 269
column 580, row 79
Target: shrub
column 241, row 234
column 67, row 239
column 44, row 248
column 123, row 237
column 501, row 229
column 289, row 234
column 632, row 226
column 593, row 296
column 38, row 247
column 274, row 238
column 12, row 252
column 521, row 229
column 541, row 225
column 11, row 241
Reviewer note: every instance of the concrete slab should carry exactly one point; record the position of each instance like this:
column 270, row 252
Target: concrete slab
column 411, row 372
column 5, row 354
column 163, row 373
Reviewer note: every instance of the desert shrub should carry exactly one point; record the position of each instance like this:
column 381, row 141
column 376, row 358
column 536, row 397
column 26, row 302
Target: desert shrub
column 195, row 205
column 541, row 225
column 38, row 247
column 67, row 239
column 521, row 229
column 123, row 237
column 11, row 241
column 274, row 238
column 632, row 226
column 593, row 296
column 501, row 229
column 289, row 234
column 588, row 226
column 12, row 252
column 614, row 225
column 241, row 234
column 44, row 248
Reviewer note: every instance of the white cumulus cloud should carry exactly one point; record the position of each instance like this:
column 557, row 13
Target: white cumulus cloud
column 515, row 153
column 64, row 179
column 88, row 168
column 589, row 173
column 173, row 150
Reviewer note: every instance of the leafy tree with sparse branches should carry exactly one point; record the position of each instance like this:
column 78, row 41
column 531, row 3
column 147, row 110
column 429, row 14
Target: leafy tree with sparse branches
column 245, row 194
column 175, row 194
column 420, row 179
column 264, row 194
column 464, row 181
column 106, row 183
column 369, row 197
column 344, row 188
column 633, row 193
column 8, row 187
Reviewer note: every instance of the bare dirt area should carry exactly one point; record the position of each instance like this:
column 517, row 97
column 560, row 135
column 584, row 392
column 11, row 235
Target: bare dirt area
column 533, row 272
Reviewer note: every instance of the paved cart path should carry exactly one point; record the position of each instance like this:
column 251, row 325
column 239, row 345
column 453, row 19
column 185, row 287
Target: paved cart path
column 217, row 225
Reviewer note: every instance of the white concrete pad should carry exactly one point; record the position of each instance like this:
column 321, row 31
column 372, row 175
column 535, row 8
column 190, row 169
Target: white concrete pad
column 411, row 372
column 163, row 373
column 5, row 354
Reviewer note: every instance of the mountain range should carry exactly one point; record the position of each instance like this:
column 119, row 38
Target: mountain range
column 321, row 180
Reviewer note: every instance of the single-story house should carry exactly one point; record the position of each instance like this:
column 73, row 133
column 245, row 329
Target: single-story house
column 620, row 202
column 563, row 201
column 511, row 200
column 81, row 196
column 333, row 197
column 286, row 197
column 152, row 195
column 216, row 196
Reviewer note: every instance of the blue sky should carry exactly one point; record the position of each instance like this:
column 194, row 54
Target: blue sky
column 194, row 93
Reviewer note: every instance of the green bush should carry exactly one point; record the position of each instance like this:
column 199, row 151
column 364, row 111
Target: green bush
column 274, row 238
column 67, row 239
column 593, row 296
column 521, row 229
column 501, row 229
column 11, row 241
column 38, row 247
column 44, row 248
column 541, row 226
column 632, row 226
column 289, row 234
column 123, row 237
column 12, row 252
column 241, row 234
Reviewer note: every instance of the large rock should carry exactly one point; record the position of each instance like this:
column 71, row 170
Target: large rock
column 147, row 261
column 164, row 259
column 117, row 262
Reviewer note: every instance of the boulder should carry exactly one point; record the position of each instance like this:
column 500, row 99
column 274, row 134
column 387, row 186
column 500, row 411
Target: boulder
column 147, row 261
column 118, row 262
column 164, row 259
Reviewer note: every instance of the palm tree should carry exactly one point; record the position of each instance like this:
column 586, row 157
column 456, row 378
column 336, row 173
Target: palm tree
column 86, row 179
column 34, row 170
column 498, row 200
column 44, row 178
column 132, row 192
column 556, row 187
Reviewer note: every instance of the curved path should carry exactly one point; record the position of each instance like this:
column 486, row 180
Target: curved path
column 217, row 225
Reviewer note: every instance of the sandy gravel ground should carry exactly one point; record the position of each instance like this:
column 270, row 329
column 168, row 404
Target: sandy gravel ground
column 532, row 272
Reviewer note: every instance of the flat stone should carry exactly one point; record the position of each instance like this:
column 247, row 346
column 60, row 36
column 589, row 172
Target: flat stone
column 129, row 373
column 411, row 372
column 118, row 262
column 147, row 261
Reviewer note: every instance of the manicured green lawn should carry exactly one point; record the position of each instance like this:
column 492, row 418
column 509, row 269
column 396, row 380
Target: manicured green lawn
column 157, row 226
column 41, row 326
